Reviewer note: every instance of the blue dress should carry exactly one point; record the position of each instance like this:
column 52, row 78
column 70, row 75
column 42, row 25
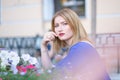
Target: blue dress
column 82, row 63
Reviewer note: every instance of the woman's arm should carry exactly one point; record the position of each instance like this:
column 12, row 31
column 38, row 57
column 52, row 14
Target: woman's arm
column 45, row 58
column 45, row 54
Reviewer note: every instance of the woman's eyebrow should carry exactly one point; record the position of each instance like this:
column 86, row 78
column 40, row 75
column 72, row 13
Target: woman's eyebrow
column 63, row 22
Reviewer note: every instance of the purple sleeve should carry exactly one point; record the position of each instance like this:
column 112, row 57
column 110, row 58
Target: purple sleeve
column 82, row 59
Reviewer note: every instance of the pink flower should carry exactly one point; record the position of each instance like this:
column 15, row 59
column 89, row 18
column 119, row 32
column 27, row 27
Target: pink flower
column 22, row 69
column 30, row 66
column 0, row 78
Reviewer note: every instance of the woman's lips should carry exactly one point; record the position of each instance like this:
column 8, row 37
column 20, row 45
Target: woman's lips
column 61, row 34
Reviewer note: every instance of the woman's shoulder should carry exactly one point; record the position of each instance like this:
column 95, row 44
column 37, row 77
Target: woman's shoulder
column 82, row 44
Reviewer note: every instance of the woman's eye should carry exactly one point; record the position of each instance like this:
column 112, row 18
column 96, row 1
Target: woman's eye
column 65, row 23
column 55, row 25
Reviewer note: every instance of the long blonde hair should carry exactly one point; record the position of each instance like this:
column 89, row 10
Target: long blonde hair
column 73, row 20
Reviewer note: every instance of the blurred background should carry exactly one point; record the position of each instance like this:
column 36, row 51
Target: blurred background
column 24, row 22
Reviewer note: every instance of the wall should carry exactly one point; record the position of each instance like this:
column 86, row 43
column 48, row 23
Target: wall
column 108, row 16
column 21, row 18
column 25, row 17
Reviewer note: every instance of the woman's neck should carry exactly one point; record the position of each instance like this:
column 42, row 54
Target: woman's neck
column 69, row 42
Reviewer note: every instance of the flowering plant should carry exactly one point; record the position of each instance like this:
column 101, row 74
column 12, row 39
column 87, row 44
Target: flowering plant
column 24, row 67
column 8, row 58
column 12, row 64
column 27, row 63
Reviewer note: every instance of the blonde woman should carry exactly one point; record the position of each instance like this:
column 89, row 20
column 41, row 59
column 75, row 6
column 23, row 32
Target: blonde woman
column 82, row 61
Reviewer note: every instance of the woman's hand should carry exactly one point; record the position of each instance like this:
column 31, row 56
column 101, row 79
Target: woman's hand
column 49, row 36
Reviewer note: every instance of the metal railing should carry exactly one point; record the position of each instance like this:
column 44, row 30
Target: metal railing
column 21, row 44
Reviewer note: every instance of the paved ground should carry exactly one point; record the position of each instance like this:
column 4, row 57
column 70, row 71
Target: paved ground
column 115, row 76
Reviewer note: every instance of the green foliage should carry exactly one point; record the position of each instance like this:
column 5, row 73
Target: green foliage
column 28, row 76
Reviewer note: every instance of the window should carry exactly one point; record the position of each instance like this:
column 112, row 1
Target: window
column 52, row 6
column 48, row 9
column 77, row 5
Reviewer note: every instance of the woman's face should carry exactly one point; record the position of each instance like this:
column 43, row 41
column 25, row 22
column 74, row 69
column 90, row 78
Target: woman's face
column 62, row 29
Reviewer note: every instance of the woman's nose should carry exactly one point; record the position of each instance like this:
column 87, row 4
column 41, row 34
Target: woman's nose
column 60, row 28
